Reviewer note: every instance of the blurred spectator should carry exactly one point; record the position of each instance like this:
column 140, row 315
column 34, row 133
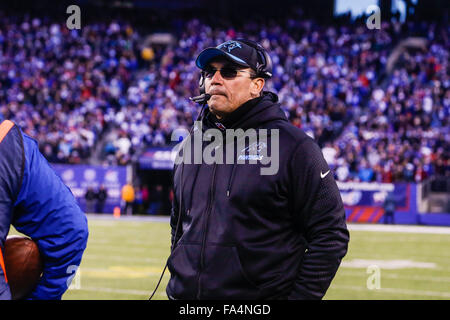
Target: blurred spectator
column 128, row 199
column 102, row 195
column 90, row 197
column 138, row 201
column 156, row 199
column 389, row 208
column 145, row 197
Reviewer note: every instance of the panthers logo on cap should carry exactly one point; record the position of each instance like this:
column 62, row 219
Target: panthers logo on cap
column 230, row 45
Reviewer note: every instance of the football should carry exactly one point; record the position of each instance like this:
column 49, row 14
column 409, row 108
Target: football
column 23, row 264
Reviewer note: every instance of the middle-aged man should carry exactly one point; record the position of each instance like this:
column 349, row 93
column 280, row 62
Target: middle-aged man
column 241, row 234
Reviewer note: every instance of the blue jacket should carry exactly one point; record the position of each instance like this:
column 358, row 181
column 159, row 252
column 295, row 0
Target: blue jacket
column 37, row 203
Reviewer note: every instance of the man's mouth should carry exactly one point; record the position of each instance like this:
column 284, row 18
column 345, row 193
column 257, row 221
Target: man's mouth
column 217, row 93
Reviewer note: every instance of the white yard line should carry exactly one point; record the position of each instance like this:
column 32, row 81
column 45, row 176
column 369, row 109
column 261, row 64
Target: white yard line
column 110, row 217
column 120, row 291
column 398, row 228
column 351, row 226
column 395, row 276
column 109, row 257
column 387, row 264
column 420, row 293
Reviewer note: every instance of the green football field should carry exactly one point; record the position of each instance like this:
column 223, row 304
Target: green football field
column 124, row 259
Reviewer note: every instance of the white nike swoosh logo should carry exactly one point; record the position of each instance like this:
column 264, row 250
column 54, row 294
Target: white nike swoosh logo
column 323, row 175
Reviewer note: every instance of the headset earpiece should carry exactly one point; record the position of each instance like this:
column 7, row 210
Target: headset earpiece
column 268, row 64
column 264, row 69
column 201, row 83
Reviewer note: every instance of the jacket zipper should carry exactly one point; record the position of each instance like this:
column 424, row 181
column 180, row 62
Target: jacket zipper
column 205, row 228
column 230, row 181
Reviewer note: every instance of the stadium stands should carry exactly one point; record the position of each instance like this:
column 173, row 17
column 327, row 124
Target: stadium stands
column 91, row 95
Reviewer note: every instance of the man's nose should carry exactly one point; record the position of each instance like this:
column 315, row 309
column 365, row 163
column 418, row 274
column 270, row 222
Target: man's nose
column 216, row 78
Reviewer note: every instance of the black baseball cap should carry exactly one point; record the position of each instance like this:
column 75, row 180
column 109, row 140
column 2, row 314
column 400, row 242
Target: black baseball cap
column 233, row 50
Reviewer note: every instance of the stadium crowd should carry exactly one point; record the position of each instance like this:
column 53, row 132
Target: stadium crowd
column 403, row 133
column 83, row 90
column 58, row 84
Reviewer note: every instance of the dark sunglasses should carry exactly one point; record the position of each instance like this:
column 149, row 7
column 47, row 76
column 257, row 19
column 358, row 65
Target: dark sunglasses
column 225, row 72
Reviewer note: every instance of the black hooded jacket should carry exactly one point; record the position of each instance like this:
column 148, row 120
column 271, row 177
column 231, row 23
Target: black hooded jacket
column 244, row 235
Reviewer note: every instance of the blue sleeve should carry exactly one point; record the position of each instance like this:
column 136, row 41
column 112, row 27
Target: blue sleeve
column 46, row 211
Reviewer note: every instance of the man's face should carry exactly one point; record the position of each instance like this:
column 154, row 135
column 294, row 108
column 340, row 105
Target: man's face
column 227, row 94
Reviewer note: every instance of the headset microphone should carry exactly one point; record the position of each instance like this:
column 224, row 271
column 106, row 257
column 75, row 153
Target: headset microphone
column 202, row 99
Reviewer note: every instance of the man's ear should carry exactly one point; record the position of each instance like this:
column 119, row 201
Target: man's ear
column 257, row 86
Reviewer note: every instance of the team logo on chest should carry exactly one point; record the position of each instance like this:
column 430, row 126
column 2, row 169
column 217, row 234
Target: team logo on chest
column 253, row 151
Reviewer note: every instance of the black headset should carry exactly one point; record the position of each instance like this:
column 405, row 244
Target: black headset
column 263, row 69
